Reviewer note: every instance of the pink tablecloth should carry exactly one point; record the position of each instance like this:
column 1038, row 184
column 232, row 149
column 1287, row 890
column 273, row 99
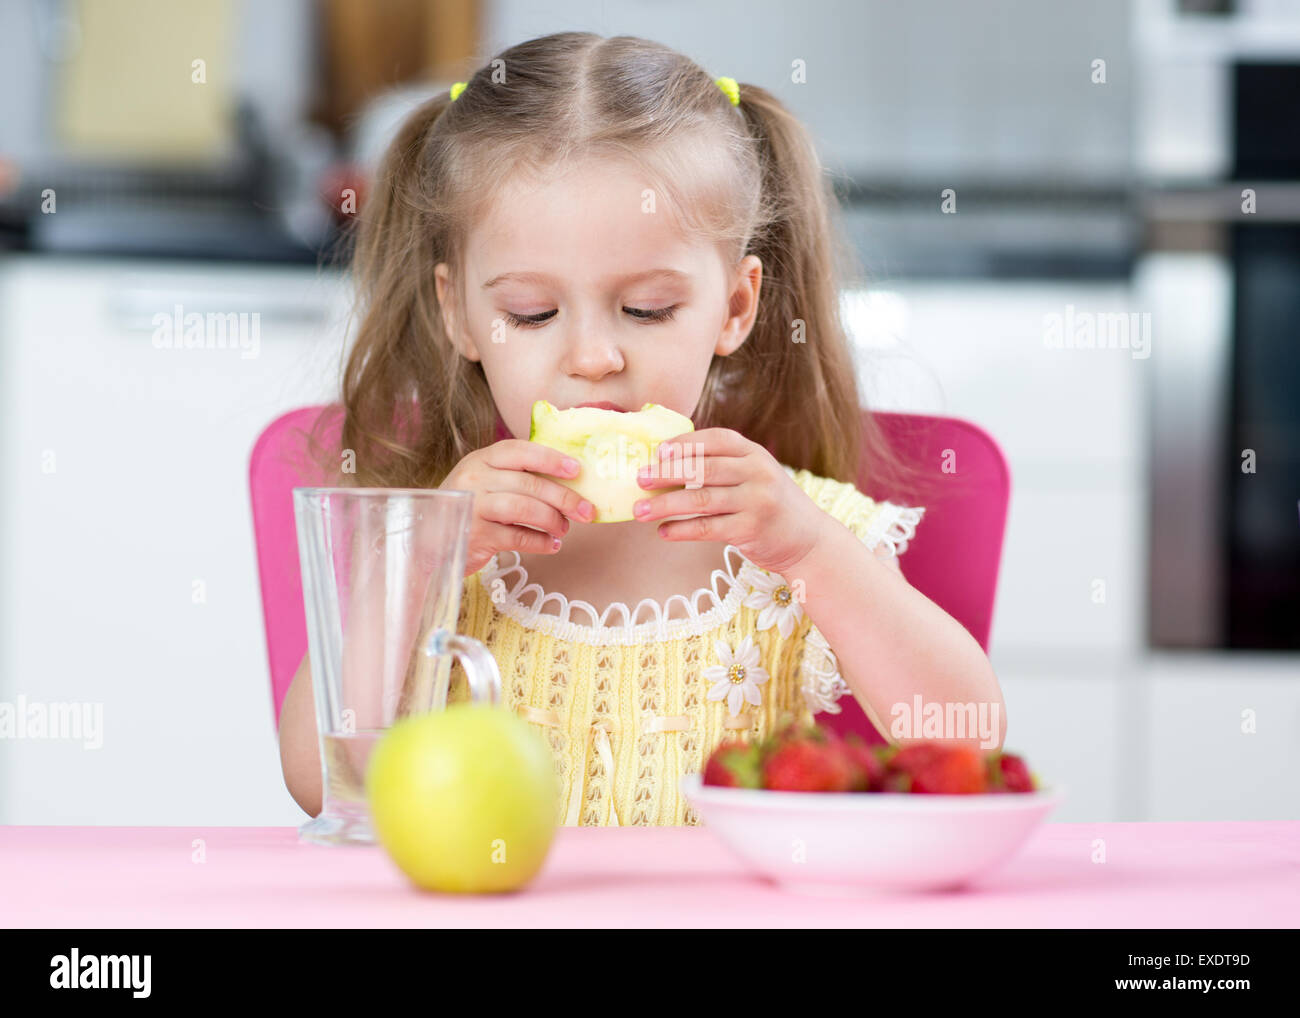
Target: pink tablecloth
column 1155, row 874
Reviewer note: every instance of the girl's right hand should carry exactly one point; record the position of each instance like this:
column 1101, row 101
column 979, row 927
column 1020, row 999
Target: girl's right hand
column 510, row 498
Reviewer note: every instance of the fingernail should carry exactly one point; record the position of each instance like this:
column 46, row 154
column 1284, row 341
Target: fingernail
column 641, row 508
column 555, row 544
column 586, row 510
column 571, row 465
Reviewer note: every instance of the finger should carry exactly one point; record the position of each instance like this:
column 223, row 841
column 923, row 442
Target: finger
column 512, row 507
column 516, row 454
column 706, row 501
column 693, row 472
column 702, row 528
column 565, row 500
column 521, row 539
column 682, row 456
column 708, row 442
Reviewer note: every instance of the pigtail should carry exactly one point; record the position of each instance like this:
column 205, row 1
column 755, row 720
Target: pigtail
column 400, row 373
column 799, row 320
column 799, row 336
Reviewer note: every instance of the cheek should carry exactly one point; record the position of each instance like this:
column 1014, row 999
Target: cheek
column 676, row 373
column 515, row 378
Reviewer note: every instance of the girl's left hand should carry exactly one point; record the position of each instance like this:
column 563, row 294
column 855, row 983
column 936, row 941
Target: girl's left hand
column 743, row 494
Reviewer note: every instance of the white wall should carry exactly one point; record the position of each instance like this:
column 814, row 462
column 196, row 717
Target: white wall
column 925, row 101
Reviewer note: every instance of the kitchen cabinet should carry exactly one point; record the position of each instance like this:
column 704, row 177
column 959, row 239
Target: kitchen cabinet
column 129, row 576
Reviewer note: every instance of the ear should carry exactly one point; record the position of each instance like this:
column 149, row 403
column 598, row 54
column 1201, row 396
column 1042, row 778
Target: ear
column 742, row 305
column 451, row 313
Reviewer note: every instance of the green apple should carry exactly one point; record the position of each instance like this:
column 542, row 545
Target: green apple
column 464, row 800
column 611, row 447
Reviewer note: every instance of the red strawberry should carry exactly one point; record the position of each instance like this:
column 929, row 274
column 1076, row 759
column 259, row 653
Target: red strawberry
column 808, row 765
column 1008, row 773
column 936, row 769
column 1015, row 774
column 908, row 759
column 788, row 729
column 868, row 767
column 734, row 764
column 894, row 779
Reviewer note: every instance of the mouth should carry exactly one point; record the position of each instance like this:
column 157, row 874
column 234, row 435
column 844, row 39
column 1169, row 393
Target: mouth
column 603, row 405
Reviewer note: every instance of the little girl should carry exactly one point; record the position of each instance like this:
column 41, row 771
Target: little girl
column 593, row 220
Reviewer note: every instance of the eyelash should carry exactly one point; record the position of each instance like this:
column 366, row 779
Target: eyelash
column 533, row 321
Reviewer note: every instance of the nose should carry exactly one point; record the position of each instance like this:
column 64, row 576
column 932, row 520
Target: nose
column 591, row 354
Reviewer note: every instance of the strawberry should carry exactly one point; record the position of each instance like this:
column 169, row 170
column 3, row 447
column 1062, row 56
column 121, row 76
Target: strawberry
column 1008, row 773
column 936, row 769
column 868, row 767
column 808, row 764
column 1014, row 773
column 895, row 778
column 734, row 764
column 906, row 760
column 993, row 771
column 787, row 729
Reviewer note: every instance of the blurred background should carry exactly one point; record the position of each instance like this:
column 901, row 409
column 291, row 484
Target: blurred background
column 1136, row 160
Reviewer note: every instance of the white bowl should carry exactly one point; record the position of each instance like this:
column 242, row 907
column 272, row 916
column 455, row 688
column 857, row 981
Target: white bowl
column 853, row 843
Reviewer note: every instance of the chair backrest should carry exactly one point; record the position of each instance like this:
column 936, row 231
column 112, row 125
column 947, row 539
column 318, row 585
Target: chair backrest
column 955, row 557
column 953, row 561
column 278, row 464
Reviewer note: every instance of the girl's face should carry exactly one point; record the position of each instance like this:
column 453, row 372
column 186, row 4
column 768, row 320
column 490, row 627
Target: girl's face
column 576, row 292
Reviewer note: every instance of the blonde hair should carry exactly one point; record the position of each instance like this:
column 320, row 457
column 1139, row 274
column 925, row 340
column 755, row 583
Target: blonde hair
column 748, row 181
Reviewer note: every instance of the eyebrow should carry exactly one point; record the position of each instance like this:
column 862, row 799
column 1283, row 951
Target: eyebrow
column 541, row 277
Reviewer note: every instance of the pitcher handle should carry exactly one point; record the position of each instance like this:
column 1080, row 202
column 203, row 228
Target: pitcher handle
column 480, row 666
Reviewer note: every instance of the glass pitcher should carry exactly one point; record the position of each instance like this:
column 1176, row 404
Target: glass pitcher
column 382, row 575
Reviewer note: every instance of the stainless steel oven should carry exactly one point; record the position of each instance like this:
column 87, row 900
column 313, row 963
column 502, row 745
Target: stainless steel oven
column 1221, row 275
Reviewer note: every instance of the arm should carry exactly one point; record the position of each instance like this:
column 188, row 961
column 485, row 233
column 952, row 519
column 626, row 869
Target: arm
column 299, row 742
column 891, row 641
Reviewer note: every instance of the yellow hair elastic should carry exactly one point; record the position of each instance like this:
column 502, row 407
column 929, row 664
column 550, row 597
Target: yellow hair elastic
column 728, row 85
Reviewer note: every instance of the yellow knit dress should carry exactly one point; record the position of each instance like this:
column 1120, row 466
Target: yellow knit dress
column 631, row 702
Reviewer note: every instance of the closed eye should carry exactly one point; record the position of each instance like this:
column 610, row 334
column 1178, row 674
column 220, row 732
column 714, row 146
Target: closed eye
column 528, row 321
column 653, row 315
column 640, row 314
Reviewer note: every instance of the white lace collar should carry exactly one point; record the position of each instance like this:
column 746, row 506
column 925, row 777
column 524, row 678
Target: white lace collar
column 618, row 625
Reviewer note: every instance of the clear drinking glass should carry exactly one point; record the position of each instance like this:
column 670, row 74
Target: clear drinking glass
column 382, row 574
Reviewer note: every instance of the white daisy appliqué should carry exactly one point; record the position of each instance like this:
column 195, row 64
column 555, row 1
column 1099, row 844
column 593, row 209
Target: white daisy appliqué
column 776, row 603
column 738, row 677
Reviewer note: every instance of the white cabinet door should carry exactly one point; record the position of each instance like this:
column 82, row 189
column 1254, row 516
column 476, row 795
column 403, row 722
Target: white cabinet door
column 129, row 586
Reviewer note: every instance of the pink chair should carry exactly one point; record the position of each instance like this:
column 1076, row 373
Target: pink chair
column 953, row 561
column 278, row 464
